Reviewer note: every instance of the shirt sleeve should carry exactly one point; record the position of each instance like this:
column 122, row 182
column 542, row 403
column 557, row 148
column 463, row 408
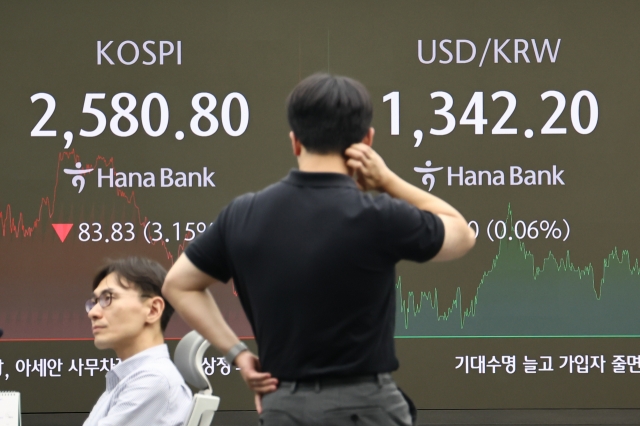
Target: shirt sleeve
column 208, row 251
column 411, row 233
column 144, row 401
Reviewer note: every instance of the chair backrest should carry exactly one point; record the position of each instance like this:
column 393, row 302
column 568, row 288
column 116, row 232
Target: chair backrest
column 188, row 359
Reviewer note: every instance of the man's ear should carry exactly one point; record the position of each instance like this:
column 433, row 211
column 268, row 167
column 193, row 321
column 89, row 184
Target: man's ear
column 156, row 308
column 368, row 138
column 296, row 145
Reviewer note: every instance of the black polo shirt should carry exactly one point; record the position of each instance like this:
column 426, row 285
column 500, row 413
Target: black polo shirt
column 313, row 260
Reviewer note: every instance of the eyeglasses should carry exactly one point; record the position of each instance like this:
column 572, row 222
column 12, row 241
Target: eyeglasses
column 104, row 299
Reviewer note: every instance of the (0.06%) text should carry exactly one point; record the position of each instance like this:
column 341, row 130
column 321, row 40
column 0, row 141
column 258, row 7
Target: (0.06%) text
column 499, row 229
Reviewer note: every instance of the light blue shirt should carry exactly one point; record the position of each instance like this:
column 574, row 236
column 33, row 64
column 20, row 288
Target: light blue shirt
column 146, row 389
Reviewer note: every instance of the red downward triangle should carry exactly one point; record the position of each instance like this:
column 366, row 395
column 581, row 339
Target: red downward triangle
column 62, row 229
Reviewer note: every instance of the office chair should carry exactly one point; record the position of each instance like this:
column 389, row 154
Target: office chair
column 188, row 359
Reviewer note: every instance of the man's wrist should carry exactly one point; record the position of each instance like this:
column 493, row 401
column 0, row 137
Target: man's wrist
column 233, row 353
column 386, row 181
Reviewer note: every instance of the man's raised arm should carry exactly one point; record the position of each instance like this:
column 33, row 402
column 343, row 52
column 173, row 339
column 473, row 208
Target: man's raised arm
column 373, row 173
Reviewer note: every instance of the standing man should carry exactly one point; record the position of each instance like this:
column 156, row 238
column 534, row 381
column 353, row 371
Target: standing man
column 313, row 260
column 129, row 315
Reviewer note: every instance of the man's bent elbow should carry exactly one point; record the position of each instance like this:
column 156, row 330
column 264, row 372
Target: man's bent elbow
column 469, row 240
column 459, row 238
column 466, row 239
column 169, row 289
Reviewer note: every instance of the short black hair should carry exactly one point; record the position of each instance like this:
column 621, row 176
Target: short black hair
column 146, row 275
column 328, row 113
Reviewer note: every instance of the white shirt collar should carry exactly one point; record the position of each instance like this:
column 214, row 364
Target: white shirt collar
column 130, row 365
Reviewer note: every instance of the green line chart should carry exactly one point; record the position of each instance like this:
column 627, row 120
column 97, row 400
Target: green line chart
column 514, row 298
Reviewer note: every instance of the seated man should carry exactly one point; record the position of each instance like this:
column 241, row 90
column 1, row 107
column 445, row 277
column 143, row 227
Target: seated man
column 129, row 315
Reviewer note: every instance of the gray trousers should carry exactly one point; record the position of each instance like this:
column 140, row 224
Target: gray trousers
column 359, row 401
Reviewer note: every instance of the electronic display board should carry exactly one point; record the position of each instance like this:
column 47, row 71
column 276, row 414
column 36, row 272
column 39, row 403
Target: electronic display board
column 127, row 126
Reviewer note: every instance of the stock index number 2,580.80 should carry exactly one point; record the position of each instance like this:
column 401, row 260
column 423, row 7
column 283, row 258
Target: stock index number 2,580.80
column 120, row 129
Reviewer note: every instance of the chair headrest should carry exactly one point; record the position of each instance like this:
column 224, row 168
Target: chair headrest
column 188, row 359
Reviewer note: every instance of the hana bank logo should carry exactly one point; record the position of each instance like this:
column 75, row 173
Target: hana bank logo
column 77, row 173
column 428, row 179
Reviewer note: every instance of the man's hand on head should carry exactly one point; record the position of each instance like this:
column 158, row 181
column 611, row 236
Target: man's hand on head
column 370, row 170
column 259, row 382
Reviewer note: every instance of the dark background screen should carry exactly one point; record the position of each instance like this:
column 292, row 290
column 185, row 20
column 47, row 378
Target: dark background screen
column 525, row 112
